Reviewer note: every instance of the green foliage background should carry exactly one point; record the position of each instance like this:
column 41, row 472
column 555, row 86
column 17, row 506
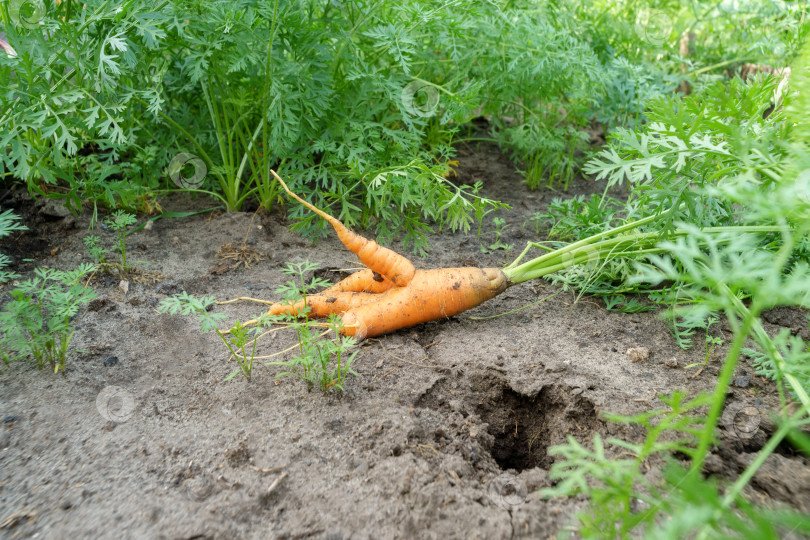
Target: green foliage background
column 99, row 97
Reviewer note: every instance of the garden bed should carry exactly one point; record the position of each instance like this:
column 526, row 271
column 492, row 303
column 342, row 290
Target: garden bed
column 443, row 434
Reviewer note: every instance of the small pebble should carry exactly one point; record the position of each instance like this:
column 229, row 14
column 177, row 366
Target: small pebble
column 148, row 226
column 124, row 286
column 672, row 362
column 742, row 381
column 110, row 361
column 10, row 418
column 638, row 354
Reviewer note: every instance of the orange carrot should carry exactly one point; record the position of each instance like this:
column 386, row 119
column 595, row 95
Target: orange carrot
column 432, row 294
column 323, row 304
column 362, row 281
column 384, row 261
column 391, row 294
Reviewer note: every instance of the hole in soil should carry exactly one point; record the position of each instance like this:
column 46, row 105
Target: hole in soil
column 520, row 427
column 524, row 427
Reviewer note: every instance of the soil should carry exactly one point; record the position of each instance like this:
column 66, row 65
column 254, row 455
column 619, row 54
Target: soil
column 444, row 433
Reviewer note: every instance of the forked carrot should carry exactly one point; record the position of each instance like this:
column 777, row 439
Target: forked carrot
column 391, row 294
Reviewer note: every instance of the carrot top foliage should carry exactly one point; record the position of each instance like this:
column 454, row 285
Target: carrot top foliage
column 357, row 103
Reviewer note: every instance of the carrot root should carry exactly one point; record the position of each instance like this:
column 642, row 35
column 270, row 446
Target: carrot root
column 323, row 304
column 391, row 294
column 380, row 259
column 362, row 281
column 431, row 295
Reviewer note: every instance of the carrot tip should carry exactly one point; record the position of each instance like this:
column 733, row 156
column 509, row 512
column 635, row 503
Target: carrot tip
column 356, row 327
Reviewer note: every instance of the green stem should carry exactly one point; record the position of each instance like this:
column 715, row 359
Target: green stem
column 718, row 65
column 582, row 243
column 743, row 480
column 600, row 246
column 719, row 397
column 779, row 362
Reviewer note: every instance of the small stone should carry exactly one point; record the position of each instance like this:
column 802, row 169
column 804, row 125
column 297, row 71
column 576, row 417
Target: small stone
column 66, row 505
column 10, row 418
column 124, row 286
column 671, row 362
column 406, row 482
column 535, row 478
column 110, row 361
column 167, row 287
column 742, row 381
column 54, row 208
column 238, row 456
column 97, row 304
column 638, row 354
column 148, row 225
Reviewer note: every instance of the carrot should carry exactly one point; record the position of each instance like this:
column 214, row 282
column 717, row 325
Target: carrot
column 432, row 294
column 382, row 260
column 391, row 294
column 323, row 304
column 362, row 281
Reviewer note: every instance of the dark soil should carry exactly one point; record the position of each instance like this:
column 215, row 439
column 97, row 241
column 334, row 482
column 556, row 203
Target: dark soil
column 444, row 433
